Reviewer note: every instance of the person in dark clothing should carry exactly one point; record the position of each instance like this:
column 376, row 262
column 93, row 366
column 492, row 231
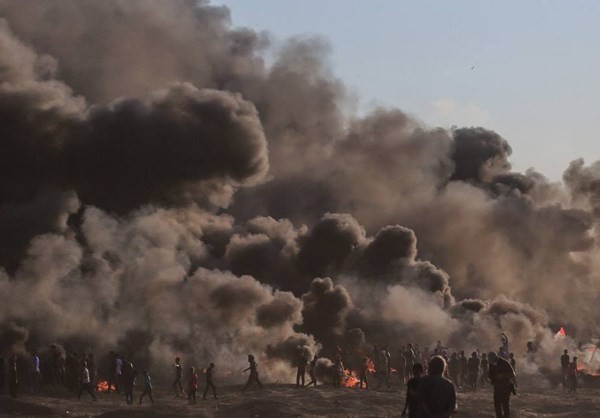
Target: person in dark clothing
column 177, row 382
column 128, row 381
column 436, row 394
column 312, row 372
column 412, row 401
column 454, row 368
column 512, row 361
column 85, row 383
column 484, row 365
column 564, row 364
column 253, row 373
column 462, row 359
column 147, row 387
column 209, row 382
column 473, row 370
column 572, row 374
column 192, row 386
column 13, row 377
column 301, row 373
column 338, row 372
column 502, row 376
column 363, row 373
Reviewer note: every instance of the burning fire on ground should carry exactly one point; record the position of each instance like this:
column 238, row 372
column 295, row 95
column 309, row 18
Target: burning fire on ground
column 102, row 386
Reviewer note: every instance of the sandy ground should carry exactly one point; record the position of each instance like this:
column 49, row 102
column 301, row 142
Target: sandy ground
column 279, row 401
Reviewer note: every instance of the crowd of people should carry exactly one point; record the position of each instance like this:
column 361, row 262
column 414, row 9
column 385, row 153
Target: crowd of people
column 431, row 378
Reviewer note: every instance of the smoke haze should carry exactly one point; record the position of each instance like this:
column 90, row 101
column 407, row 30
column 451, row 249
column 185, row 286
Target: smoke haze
column 164, row 191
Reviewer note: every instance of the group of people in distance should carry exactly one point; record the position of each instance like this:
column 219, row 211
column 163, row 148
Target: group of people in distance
column 431, row 379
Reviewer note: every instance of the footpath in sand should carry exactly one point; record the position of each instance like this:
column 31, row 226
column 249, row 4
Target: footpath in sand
column 283, row 401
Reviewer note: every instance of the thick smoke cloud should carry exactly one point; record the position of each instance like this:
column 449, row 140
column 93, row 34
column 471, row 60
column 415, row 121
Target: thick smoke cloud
column 164, row 190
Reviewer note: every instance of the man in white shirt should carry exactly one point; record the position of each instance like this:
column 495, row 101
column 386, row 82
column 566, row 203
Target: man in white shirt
column 86, row 384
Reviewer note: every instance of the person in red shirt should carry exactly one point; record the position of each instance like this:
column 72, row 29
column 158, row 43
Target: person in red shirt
column 193, row 387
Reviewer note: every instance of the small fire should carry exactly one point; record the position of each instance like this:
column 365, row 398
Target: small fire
column 349, row 380
column 582, row 368
column 102, row 386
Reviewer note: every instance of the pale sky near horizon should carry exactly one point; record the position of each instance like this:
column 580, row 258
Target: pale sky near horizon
column 535, row 78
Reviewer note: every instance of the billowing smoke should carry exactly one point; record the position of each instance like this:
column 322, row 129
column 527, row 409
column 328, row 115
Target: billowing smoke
column 164, row 191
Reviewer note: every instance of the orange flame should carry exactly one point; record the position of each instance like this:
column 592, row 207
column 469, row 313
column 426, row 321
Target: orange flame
column 582, row 368
column 349, row 380
column 102, row 386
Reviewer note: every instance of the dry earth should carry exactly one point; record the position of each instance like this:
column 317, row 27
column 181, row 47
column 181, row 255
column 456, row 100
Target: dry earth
column 280, row 401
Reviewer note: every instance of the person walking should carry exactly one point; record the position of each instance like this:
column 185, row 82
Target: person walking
column 86, row 383
column 209, row 381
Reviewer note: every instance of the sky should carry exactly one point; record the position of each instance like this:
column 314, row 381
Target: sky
column 528, row 70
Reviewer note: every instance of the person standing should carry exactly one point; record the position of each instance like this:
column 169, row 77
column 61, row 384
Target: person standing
column 572, row 374
column 363, row 373
column 564, row 364
column 463, row 368
column 209, row 381
column 129, row 375
column 118, row 373
column 178, row 374
column 13, row 377
column 147, row 387
column 401, row 366
column 86, row 383
column 502, row 376
column 436, row 394
column 35, row 377
column 338, row 371
column 301, row 373
column 473, row 370
column 312, row 372
column 253, row 368
column 484, row 369
column 412, row 386
column 192, row 386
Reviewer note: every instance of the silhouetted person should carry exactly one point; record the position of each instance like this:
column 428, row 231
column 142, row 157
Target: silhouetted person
column 91, row 362
column 338, row 371
column 473, row 370
column 363, row 373
column 484, row 369
column 401, row 366
column 35, row 374
column 454, row 368
column 502, row 376
column 512, row 361
column 436, row 394
column 147, row 387
column 381, row 367
column 13, row 377
column 209, row 382
column 192, row 385
column 312, row 372
column 301, row 373
column 412, row 396
column 129, row 375
column 572, row 374
column 253, row 367
column 463, row 362
column 118, row 372
column 85, row 383
column 178, row 374
column 564, row 364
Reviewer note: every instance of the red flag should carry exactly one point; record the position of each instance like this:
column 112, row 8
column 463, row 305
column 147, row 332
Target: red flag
column 561, row 333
